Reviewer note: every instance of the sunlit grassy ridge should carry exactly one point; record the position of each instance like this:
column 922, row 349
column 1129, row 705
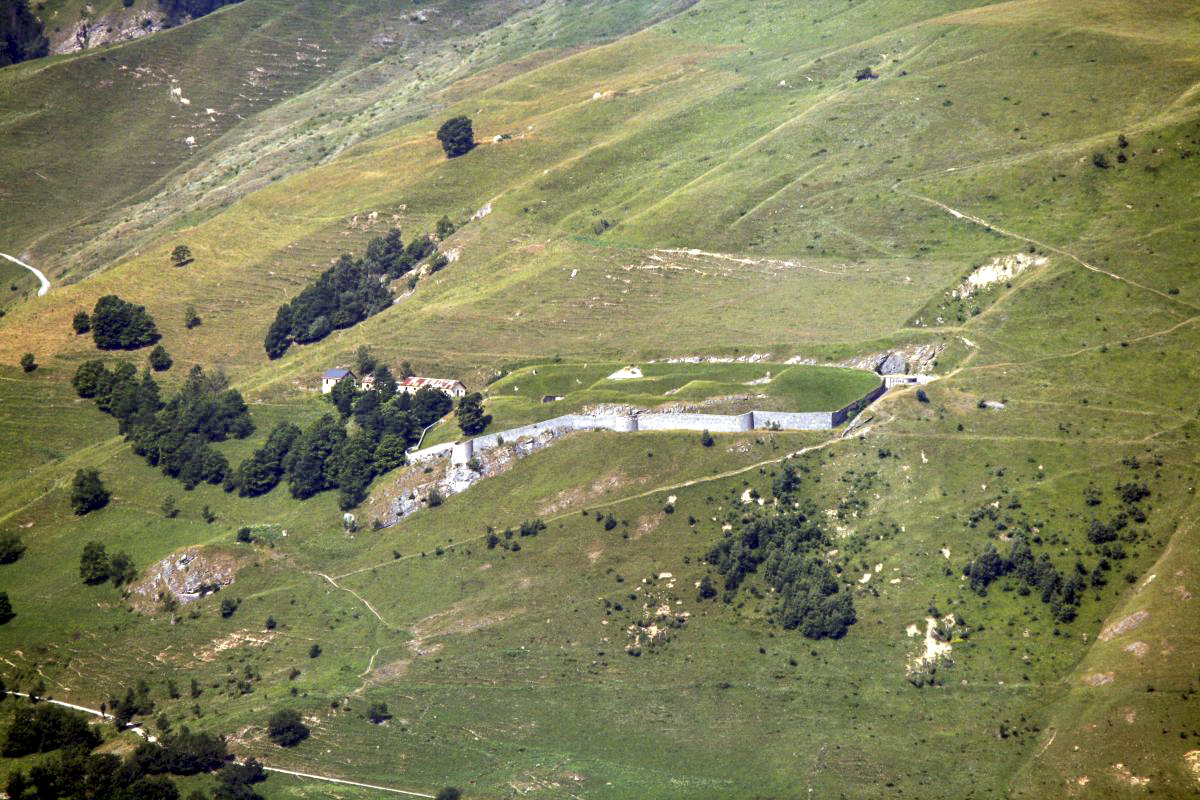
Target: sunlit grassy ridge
column 712, row 201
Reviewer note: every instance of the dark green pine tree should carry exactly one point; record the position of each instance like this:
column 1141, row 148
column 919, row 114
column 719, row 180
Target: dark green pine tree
column 471, row 418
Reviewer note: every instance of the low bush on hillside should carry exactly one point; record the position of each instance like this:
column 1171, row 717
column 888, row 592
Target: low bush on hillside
column 789, row 549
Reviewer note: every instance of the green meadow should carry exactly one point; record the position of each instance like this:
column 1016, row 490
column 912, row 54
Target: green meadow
column 667, row 182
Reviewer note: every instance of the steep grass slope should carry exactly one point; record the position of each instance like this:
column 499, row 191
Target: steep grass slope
column 189, row 119
column 716, row 185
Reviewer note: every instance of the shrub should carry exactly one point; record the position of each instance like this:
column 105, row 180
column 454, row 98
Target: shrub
column 160, row 359
column 121, row 569
column 228, row 606
column 94, row 563
column 922, row 397
column 28, row 363
column 435, row 498
column 11, row 548
column 88, row 492
column 286, row 728
column 457, row 136
column 6, row 614
column 314, row 651
column 706, row 439
column 181, row 255
column 82, row 323
column 190, row 318
column 378, row 713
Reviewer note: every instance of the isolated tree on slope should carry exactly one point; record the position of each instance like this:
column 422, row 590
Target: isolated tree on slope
column 456, row 136
column 181, row 255
column 286, row 728
column 88, row 492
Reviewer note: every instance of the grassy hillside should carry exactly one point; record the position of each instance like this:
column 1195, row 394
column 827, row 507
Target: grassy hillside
column 715, row 184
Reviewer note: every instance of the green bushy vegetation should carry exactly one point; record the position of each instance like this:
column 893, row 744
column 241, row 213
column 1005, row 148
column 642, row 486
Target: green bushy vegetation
column 346, row 293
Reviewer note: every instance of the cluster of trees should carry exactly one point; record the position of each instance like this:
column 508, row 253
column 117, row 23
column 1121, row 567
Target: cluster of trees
column 177, row 435
column 530, row 527
column 22, row 36
column 286, row 728
column 117, row 325
column 78, row 774
column 1033, row 574
column 1037, row 574
column 789, row 549
column 346, row 293
column 325, row 457
column 181, row 753
column 178, row 11
column 42, row 728
column 95, row 566
column 135, row 702
column 471, row 419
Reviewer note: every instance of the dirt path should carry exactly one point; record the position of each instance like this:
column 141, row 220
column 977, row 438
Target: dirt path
column 45, row 287
column 1051, row 248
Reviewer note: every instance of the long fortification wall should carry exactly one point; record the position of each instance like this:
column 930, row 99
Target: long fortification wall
column 656, row 421
column 795, row 421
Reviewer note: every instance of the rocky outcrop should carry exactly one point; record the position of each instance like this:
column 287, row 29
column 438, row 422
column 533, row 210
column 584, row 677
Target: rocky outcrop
column 119, row 26
column 892, row 364
column 187, row 575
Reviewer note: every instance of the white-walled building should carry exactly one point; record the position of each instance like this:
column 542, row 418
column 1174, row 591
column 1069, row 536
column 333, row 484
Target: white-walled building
column 333, row 377
column 448, row 385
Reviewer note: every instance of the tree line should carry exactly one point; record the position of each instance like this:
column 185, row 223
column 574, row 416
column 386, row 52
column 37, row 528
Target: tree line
column 22, row 36
column 346, row 293
column 79, row 774
column 325, row 456
column 177, row 436
column 788, row 549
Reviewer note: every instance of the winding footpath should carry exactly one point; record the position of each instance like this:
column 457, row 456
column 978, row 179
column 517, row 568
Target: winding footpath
column 41, row 276
column 142, row 732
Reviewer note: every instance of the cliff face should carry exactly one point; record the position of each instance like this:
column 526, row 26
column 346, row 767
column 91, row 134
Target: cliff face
column 87, row 30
